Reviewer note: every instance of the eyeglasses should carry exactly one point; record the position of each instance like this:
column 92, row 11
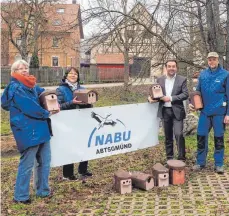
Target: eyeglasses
column 75, row 74
column 21, row 69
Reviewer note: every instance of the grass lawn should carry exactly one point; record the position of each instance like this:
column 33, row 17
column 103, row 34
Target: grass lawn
column 71, row 197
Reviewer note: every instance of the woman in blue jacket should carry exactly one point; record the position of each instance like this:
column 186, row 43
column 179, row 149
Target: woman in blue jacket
column 28, row 121
column 69, row 84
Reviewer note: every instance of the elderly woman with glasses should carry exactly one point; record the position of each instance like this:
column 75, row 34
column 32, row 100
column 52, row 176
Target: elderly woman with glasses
column 28, row 121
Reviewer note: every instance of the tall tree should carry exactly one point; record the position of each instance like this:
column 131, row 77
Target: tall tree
column 24, row 22
column 197, row 25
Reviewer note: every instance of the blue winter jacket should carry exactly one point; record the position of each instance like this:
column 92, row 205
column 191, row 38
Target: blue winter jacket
column 214, row 88
column 28, row 120
column 65, row 97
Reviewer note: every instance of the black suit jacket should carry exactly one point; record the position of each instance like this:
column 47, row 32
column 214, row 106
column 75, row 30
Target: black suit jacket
column 179, row 94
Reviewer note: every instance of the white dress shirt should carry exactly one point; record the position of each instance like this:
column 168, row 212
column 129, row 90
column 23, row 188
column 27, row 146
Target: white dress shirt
column 169, row 83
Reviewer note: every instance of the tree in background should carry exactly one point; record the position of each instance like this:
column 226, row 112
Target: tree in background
column 195, row 27
column 34, row 61
column 24, row 22
column 126, row 28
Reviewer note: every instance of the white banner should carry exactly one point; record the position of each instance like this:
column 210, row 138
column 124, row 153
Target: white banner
column 86, row 134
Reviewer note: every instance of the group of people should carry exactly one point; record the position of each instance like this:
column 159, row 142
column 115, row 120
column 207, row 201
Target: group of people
column 213, row 84
column 30, row 122
column 31, row 128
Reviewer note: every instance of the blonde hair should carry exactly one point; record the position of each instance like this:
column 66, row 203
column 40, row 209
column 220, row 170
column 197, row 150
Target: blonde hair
column 15, row 65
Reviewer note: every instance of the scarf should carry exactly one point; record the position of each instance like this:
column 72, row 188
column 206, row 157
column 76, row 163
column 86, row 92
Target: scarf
column 28, row 81
column 73, row 86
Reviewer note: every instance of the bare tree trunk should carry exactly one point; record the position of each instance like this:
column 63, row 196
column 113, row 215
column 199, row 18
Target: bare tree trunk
column 201, row 26
column 219, row 40
column 36, row 28
column 210, row 25
column 126, row 48
column 215, row 37
column 190, row 69
column 23, row 50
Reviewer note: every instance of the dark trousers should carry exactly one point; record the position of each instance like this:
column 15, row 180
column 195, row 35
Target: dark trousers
column 173, row 127
column 68, row 170
column 204, row 126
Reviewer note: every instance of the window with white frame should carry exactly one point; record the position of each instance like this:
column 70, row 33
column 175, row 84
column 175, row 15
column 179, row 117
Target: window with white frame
column 29, row 58
column 19, row 23
column 56, row 22
column 18, row 41
column 55, row 61
column 55, row 42
column 17, row 57
column 60, row 10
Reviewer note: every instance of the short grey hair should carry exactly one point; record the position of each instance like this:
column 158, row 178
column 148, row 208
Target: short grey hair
column 15, row 65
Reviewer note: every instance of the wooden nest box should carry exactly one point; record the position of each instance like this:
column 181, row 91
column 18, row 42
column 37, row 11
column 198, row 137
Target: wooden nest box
column 142, row 180
column 122, row 181
column 48, row 100
column 196, row 100
column 161, row 175
column 176, row 172
column 86, row 96
column 155, row 92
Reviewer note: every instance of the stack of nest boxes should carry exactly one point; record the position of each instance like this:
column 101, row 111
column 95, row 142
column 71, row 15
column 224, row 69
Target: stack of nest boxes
column 161, row 177
column 124, row 181
column 175, row 174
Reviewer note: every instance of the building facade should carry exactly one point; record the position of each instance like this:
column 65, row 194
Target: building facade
column 57, row 37
column 146, row 53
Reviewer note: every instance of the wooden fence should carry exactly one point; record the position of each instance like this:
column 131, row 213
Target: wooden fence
column 53, row 76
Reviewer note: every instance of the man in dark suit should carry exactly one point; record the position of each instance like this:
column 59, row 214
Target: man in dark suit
column 171, row 108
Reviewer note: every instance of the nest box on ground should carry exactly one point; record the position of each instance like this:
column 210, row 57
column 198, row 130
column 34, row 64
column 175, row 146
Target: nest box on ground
column 142, row 180
column 161, row 175
column 122, row 181
column 176, row 172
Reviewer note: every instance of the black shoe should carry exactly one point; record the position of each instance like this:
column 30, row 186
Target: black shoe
column 86, row 174
column 70, row 178
column 26, row 202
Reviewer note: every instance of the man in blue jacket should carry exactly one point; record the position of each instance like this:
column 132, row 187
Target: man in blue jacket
column 213, row 84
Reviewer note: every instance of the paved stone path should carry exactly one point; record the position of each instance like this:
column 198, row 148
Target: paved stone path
column 205, row 194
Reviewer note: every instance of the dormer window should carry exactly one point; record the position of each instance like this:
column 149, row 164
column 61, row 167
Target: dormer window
column 55, row 41
column 60, row 10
